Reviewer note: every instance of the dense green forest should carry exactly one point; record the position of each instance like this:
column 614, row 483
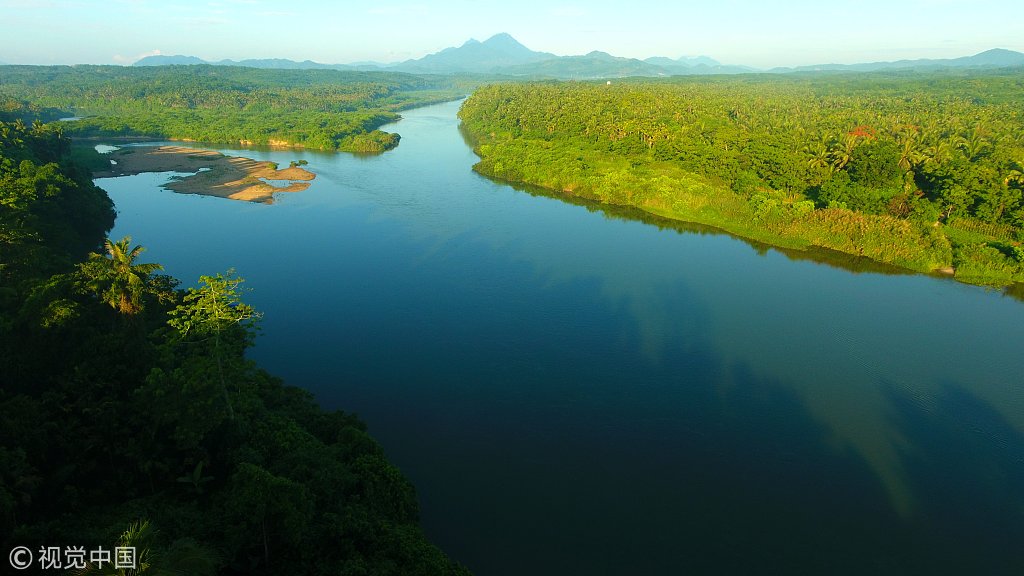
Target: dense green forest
column 924, row 171
column 129, row 415
column 321, row 109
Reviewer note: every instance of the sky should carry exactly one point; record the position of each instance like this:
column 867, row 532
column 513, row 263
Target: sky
column 756, row 33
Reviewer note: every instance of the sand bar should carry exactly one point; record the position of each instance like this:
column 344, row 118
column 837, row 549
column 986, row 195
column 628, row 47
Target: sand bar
column 213, row 173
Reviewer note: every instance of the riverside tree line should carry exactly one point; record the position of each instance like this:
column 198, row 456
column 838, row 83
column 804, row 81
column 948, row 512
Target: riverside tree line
column 925, row 171
column 129, row 415
column 316, row 109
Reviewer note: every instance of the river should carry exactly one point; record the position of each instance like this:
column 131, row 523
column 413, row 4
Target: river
column 576, row 390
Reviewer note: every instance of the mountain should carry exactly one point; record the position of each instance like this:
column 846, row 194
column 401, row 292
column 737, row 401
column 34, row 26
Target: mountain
column 999, row 57
column 499, row 51
column 995, row 58
column 686, row 61
column 504, row 55
column 273, row 63
column 282, row 64
column 696, row 65
column 592, row 65
column 160, row 60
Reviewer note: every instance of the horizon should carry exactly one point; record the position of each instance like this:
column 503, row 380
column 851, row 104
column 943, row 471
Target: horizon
column 735, row 32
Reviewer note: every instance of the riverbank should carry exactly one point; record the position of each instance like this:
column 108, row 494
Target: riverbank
column 952, row 248
column 940, row 250
column 212, row 173
column 798, row 171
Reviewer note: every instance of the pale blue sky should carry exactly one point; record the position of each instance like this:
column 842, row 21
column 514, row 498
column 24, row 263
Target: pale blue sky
column 756, row 33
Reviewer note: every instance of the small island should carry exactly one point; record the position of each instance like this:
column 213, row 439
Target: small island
column 212, row 173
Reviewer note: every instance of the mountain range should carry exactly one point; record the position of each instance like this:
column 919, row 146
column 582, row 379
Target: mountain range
column 503, row 55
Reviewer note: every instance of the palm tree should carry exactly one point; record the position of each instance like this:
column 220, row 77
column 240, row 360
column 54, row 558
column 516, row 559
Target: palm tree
column 185, row 557
column 818, row 155
column 126, row 281
column 1015, row 175
column 139, row 539
column 938, row 150
column 842, row 151
column 910, row 154
column 974, row 145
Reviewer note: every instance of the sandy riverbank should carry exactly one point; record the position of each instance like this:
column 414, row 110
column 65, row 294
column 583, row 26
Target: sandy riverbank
column 213, row 173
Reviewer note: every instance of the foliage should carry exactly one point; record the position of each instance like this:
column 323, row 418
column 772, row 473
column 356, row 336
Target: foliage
column 321, row 109
column 105, row 421
column 117, row 279
column 887, row 160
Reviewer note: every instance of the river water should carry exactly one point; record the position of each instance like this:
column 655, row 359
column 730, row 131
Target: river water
column 578, row 390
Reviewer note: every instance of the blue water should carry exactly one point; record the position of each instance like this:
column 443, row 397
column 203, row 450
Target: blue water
column 583, row 391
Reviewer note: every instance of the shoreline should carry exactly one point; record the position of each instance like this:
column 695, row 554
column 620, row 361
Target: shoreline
column 212, row 173
column 768, row 239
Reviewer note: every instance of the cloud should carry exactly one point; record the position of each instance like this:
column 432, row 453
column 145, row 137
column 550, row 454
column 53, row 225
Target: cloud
column 131, row 59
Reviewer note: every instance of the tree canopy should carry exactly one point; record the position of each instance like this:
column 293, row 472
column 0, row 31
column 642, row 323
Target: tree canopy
column 319, row 109
column 918, row 170
column 158, row 432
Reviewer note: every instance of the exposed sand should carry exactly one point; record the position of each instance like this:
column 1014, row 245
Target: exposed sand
column 226, row 176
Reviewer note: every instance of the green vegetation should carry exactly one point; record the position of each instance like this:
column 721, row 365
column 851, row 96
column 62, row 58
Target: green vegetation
column 320, row 109
column 129, row 414
column 920, row 171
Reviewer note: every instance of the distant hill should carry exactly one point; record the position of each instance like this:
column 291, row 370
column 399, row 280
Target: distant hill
column 502, row 54
column 696, row 65
column 593, row 65
column 995, row 58
column 271, row 63
column 160, row 60
column 497, row 52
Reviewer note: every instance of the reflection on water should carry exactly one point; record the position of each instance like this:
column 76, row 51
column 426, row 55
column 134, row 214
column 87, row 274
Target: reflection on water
column 575, row 388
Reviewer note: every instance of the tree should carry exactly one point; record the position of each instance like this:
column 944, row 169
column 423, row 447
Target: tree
column 875, row 164
column 184, row 557
column 117, row 279
column 910, row 154
column 211, row 314
column 1015, row 175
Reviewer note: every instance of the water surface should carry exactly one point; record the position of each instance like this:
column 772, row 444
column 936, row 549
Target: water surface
column 584, row 391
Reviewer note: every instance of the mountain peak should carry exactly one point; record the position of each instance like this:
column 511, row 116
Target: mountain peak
column 997, row 57
column 505, row 42
column 162, row 60
column 501, row 37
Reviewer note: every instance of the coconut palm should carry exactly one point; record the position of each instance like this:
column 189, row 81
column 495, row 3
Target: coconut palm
column 123, row 281
column 938, row 150
column 184, row 557
column 910, row 154
column 818, row 156
column 974, row 145
column 842, row 151
column 139, row 539
column 1015, row 175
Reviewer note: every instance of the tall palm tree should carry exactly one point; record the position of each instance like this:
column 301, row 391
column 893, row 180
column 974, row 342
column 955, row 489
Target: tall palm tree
column 1015, row 175
column 139, row 538
column 910, row 153
column 818, row 156
column 184, row 558
column 842, row 151
column 938, row 150
column 974, row 145
column 126, row 281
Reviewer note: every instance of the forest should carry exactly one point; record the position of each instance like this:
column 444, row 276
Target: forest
column 318, row 109
column 131, row 417
column 920, row 170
